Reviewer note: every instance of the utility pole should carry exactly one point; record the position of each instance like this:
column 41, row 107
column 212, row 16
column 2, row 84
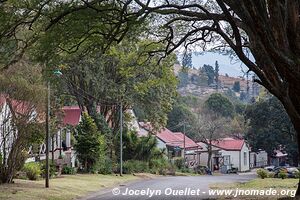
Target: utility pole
column 121, row 139
column 184, row 143
column 47, row 135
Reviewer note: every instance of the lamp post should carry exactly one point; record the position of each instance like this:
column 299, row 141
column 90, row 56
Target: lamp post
column 57, row 73
column 121, row 139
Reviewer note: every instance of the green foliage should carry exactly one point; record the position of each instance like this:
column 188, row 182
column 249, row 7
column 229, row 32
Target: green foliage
column 268, row 124
column 297, row 174
column 236, row 86
column 105, row 166
column 262, row 173
column 159, row 165
column 220, row 105
column 90, row 144
column 187, row 60
column 140, row 148
column 179, row 114
column 282, row 174
column 68, row 170
column 271, row 175
column 179, row 163
column 32, row 170
column 210, row 72
column 183, row 79
column 52, row 169
column 135, row 166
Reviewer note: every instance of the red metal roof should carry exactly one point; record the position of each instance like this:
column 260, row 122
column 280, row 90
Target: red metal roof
column 71, row 115
column 189, row 143
column 175, row 139
column 229, row 144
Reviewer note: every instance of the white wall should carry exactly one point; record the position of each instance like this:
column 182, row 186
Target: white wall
column 161, row 144
column 239, row 159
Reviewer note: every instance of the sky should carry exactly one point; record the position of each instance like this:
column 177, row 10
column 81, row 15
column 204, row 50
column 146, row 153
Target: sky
column 231, row 67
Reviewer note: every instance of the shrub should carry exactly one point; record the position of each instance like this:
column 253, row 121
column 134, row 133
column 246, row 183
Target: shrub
column 179, row 163
column 68, row 170
column 282, row 174
column 32, row 170
column 262, row 173
column 297, row 174
column 105, row 166
column 135, row 166
column 271, row 175
column 52, row 169
column 157, row 166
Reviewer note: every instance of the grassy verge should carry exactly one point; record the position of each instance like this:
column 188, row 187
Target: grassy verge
column 260, row 184
column 62, row 188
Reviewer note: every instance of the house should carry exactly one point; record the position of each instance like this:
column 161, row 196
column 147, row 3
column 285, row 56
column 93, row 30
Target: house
column 9, row 109
column 174, row 142
column 227, row 153
column 61, row 143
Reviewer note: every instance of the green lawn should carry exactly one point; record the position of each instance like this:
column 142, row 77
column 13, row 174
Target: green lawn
column 62, row 188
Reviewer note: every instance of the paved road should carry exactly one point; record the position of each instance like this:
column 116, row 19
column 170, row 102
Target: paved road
column 162, row 187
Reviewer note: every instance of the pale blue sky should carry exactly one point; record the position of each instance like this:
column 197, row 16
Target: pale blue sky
column 231, row 67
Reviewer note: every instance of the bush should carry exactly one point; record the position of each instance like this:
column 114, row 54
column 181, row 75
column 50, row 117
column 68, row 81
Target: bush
column 68, row 170
column 271, row 175
column 52, row 169
column 105, row 166
column 179, row 163
column 282, row 174
column 297, row 174
column 32, row 170
column 262, row 173
column 135, row 166
column 157, row 166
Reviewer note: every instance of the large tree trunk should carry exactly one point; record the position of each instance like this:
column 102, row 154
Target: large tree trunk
column 293, row 111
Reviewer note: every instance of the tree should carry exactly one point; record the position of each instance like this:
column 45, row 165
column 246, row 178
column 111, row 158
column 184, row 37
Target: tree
column 62, row 27
column 123, row 73
column 179, row 115
column 269, row 127
column 21, row 107
column 269, row 30
column 210, row 73
column 217, row 74
column 183, row 77
column 220, row 105
column 236, row 86
column 209, row 128
column 90, row 143
column 187, row 60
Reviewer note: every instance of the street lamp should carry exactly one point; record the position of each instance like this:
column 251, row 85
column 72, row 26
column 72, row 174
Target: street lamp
column 57, row 73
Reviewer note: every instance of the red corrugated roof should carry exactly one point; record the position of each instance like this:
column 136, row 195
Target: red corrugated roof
column 71, row 115
column 175, row 139
column 189, row 143
column 229, row 144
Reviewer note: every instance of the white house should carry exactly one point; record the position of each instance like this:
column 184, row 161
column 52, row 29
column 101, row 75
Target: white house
column 60, row 144
column 228, row 153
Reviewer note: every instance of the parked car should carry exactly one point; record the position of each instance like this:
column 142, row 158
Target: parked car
column 269, row 168
column 291, row 171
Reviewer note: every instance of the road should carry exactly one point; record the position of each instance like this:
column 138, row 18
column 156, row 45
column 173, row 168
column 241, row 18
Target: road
column 166, row 188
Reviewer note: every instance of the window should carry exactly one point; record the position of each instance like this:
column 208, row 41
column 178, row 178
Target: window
column 245, row 158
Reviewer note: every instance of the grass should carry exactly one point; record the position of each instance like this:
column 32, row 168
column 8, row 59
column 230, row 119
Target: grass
column 62, row 188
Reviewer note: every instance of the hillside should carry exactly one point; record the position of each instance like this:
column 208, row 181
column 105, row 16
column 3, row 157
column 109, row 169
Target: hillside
column 195, row 81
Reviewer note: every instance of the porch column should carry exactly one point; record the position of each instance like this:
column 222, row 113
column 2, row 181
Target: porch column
column 68, row 138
